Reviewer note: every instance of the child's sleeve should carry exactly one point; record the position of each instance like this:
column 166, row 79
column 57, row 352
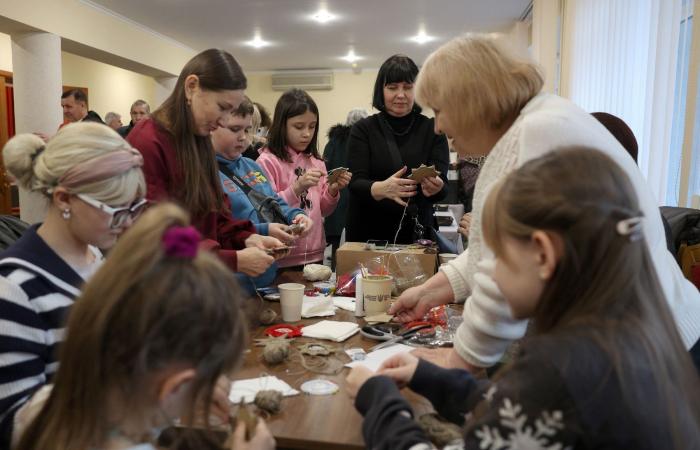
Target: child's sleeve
column 273, row 169
column 289, row 212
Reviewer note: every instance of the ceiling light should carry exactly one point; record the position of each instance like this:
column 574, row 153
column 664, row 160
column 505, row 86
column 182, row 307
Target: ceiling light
column 351, row 57
column 421, row 38
column 323, row 16
column 257, row 42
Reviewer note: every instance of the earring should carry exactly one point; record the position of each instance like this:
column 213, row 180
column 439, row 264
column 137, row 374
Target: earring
column 543, row 274
column 66, row 214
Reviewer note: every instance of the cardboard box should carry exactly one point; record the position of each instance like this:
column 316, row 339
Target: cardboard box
column 402, row 261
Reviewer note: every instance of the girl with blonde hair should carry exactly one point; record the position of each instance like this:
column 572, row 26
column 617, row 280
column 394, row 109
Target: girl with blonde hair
column 487, row 98
column 94, row 186
column 603, row 366
column 148, row 339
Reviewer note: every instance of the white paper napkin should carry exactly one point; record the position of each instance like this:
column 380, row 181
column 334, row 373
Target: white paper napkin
column 321, row 306
column 375, row 359
column 246, row 389
column 331, row 330
column 346, row 303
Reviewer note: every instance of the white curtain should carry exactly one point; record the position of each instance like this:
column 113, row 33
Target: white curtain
column 619, row 56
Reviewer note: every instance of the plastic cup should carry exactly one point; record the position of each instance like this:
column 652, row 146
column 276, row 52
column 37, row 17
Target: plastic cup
column 376, row 293
column 291, row 297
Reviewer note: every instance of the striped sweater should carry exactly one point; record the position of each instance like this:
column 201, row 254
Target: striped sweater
column 37, row 288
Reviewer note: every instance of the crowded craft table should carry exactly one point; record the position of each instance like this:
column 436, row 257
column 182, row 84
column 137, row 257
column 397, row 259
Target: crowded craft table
column 314, row 422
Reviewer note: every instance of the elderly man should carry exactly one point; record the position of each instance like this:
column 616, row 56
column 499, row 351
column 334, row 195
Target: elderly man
column 139, row 111
column 113, row 120
column 75, row 108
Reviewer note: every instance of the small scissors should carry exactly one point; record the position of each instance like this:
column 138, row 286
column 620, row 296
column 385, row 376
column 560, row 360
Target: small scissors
column 411, row 329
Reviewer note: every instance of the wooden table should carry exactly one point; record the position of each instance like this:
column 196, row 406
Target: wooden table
column 315, row 422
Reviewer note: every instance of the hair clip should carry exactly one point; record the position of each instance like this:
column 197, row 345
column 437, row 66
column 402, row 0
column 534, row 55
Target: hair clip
column 631, row 227
column 38, row 152
column 181, row 242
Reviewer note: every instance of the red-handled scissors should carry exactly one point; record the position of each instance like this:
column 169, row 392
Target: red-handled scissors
column 411, row 329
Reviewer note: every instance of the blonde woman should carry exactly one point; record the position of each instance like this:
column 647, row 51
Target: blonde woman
column 94, row 186
column 488, row 100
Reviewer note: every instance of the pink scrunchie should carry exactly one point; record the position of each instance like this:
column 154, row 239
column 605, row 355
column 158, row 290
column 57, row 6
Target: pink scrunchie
column 181, row 242
column 101, row 168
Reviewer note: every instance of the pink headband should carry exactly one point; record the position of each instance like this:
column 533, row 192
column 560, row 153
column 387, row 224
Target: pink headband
column 181, row 242
column 101, row 168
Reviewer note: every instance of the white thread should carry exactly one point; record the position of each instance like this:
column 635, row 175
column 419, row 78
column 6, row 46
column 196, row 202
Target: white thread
column 396, row 236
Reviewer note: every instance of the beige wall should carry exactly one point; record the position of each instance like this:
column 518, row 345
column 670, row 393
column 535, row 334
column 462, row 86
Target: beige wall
column 110, row 88
column 349, row 91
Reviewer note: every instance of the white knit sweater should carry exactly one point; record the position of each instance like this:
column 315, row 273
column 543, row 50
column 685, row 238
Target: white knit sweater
column 548, row 122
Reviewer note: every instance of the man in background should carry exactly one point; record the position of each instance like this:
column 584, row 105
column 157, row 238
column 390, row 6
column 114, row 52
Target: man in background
column 113, row 120
column 139, row 111
column 75, row 108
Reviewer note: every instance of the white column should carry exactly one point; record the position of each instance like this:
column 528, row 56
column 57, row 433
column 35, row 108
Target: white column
column 546, row 41
column 36, row 65
column 164, row 87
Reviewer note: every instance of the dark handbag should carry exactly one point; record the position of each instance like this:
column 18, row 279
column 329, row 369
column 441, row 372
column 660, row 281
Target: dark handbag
column 268, row 209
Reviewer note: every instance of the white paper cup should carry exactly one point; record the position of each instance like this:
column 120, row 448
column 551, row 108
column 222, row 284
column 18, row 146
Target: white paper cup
column 376, row 293
column 291, row 297
column 446, row 257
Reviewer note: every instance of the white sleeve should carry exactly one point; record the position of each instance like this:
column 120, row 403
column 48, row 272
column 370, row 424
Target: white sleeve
column 456, row 273
column 488, row 327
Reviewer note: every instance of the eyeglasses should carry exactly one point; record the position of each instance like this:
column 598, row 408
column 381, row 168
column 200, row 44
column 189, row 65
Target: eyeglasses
column 119, row 215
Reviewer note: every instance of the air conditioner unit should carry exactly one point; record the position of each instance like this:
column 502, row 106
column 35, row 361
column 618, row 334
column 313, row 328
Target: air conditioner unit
column 309, row 80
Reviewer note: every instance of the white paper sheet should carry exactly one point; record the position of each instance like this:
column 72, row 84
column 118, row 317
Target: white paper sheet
column 331, row 330
column 375, row 359
column 321, row 306
column 346, row 303
column 246, row 389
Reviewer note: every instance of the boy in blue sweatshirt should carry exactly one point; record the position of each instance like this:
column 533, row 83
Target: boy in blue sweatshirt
column 229, row 143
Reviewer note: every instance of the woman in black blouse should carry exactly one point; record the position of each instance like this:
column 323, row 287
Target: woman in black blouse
column 382, row 149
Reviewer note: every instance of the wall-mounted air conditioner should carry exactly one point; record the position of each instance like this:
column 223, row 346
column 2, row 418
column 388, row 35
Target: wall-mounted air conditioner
column 309, row 80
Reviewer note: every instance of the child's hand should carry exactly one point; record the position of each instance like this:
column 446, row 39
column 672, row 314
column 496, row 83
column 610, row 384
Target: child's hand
column 465, row 224
column 263, row 242
column 431, row 186
column 399, row 368
column 341, row 183
column 356, row 378
column 394, row 188
column 253, row 261
column 306, row 223
column 281, row 232
column 308, row 179
column 262, row 439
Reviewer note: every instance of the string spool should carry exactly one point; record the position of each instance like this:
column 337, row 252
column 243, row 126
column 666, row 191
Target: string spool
column 269, row 401
column 440, row 431
column 276, row 351
column 267, row 316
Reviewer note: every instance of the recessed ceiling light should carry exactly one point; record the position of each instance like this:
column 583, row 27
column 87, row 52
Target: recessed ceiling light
column 257, row 42
column 323, row 16
column 351, row 57
column 421, row 38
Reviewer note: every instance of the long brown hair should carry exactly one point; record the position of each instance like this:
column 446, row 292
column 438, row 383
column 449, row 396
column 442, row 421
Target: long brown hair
column 605, row 282
column 142, row 312
column 217, row 70
column 292, row 103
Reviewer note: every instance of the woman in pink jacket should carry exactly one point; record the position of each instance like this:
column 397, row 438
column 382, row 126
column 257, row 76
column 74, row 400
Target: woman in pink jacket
column 297, row 172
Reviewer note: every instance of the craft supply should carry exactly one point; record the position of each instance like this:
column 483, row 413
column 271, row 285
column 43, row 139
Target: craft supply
column 319, row 387
column 376, row 293
column 439, row 430
column 269, row 401
column 356, row 354
column 346, row 303
column 276, row 349
column 317, row 272
column 319, row 306
column 359, row 299
column 267, row 316
column 273, row 297
column 248, row 418
column 409, row 331
column 288, row 331
column 379, row 318
column 331, row 330
column 324, row 287
column 376, row 358
column 291, row 297
column 422, row 172
column 247, row 389
column 336, row 173
column 278, row 252
column 295, row 229
column 317, row 349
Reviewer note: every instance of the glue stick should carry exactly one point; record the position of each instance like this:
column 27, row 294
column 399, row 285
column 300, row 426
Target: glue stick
column 359, row 297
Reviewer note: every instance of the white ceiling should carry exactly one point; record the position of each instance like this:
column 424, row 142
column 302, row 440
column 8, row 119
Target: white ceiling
column 375, row 29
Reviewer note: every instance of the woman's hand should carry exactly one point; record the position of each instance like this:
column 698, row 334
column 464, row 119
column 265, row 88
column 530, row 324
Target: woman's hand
column 412, row 304
column 399, row 368
column 341, row 183
column 253, row 261
column 309, row 179
column 431, row 186
column 281, row 232
column 394, row 188
column 262, row 439
column 306, row 223
column 465, row 224
column 356, row 378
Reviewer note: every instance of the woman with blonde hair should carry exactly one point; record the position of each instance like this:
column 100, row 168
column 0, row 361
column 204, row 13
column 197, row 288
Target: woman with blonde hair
column 488, row 99
column 95, row 189
column 148, row 339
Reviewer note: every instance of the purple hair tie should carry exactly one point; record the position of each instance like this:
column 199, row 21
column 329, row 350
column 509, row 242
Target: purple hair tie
column 181, row 242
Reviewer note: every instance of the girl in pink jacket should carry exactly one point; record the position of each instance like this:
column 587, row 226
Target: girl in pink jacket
column 297, row 172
